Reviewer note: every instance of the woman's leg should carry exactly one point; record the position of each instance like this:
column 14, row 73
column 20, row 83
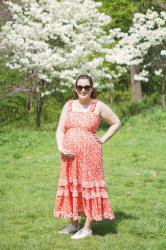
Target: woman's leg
column 74, row 222
column 88, row 224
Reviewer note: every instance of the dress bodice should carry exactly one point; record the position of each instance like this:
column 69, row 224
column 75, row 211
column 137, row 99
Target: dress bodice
column 88, row 121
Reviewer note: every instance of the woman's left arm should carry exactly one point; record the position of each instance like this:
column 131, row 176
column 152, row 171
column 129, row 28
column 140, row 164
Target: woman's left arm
column 111, row 118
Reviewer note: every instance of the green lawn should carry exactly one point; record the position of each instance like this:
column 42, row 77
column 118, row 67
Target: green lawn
column 134, row 168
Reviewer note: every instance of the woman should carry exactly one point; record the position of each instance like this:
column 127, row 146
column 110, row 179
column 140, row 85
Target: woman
column 82, row 190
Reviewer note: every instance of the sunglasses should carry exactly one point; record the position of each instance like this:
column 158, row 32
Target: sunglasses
column 80, row 88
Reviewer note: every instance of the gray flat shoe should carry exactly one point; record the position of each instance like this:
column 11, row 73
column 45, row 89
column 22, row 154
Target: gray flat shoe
column 69, row 229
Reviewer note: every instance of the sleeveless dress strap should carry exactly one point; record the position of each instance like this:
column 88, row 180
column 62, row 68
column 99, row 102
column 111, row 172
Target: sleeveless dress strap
column 70, row 105
column 93, row 105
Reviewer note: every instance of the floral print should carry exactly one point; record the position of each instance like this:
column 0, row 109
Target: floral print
column 81, row 189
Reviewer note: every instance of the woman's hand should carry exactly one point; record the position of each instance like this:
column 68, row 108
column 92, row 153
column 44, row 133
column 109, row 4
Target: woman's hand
column 99, row 139
column 66, row 153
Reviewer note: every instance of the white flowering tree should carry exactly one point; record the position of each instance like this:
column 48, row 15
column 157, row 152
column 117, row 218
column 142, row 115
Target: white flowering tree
column 54, row 41
column 157, row 69
column 148, row 31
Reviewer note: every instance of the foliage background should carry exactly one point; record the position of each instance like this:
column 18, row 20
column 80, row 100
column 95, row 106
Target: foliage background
column 13, row 103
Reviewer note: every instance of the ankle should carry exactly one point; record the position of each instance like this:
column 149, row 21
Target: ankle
column 87, row 229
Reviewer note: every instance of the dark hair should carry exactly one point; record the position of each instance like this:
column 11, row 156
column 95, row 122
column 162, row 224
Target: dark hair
column 89, row 78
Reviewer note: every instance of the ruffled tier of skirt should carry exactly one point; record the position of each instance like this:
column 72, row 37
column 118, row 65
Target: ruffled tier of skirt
column 92, row 202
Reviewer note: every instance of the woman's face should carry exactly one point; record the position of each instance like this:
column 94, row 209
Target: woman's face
column 83, row 93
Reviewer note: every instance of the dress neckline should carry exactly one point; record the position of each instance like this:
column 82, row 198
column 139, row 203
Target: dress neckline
column 87, row 112
column 97, row 115
column 90, row 104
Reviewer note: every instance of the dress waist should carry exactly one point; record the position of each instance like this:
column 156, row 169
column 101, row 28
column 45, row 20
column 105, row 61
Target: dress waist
column 81, row 129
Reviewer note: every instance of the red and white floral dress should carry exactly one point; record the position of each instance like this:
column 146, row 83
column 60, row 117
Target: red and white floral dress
column 82, row 190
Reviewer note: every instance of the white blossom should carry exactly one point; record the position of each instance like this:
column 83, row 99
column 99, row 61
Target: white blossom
column 142, row 76
column 163, row 53
column 158, row 72
column 58, row 38
column 148, row 30
column 47, row 92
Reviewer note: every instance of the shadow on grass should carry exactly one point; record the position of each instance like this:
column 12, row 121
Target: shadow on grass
column 109, row 226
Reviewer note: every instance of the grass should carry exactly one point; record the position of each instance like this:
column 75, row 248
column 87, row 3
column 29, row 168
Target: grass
column 134, row 169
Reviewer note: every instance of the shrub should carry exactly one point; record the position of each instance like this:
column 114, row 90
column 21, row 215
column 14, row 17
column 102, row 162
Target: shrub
column 12, row 109
column 127, row 109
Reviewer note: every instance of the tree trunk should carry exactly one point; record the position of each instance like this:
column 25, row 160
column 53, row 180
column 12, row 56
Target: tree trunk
column 29, row 101
column 162, row 97
column 136, row 88
column 110, row 98
column 39, row 105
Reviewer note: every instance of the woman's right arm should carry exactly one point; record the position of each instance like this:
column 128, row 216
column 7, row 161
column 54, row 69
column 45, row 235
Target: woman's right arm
column 60, row 132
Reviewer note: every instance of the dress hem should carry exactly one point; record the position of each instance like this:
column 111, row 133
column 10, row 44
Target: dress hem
column 60, row 214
